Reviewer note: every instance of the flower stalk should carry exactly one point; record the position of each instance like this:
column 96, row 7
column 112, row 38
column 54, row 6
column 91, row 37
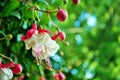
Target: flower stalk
column 46, row 11
column 6, row 57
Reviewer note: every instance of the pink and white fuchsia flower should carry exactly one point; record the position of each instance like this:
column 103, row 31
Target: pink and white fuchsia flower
column 5, row 74
column 41, row 43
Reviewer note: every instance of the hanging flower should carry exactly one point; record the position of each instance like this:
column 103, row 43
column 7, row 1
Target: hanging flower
column 44, row 48
column 47, row 47
column 41, row 43
column 5, row 74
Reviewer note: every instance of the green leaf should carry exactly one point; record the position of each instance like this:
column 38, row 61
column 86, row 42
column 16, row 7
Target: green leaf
column 10, row 7
column 43, row 1
column 27, row 13
column 16, row 14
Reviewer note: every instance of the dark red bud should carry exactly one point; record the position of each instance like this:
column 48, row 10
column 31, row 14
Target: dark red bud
column 29, row 33
column 61, row 76
column 21, row 78
column 23, row 38
column 56, row 76
column 75, row 2
column 17, row 69
column 34, row 26
column 61, row 36
column 62, row 15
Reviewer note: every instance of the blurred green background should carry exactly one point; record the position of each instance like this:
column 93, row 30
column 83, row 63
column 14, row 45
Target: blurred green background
column 91, row 50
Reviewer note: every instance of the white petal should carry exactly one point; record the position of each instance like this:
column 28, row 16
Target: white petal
column 49, row 46
column 52, row 47
column 7, row 72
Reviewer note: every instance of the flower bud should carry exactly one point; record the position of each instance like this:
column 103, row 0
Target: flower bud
column 75, row 2
column 21, row 77
column 56, row 76
column 23, row 38
column 62, row 15
column 34, row 26
column 61, row 76
column 61, row 36
column 9, row 37
column 29, row 33
column 17, row 69
column 67, row 43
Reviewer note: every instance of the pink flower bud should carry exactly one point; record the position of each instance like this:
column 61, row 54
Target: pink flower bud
column 29, row 33
column 75, row 2
column 23, row 38
column 34, row 26
column 21, row 78
column 61, row 36
column 17, row 69
column 56, row 76
column 62, row 15
column 61, row 76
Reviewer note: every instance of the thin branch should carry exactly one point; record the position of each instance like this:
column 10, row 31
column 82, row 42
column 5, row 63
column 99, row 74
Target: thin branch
column 45, row 11
column 6, row 57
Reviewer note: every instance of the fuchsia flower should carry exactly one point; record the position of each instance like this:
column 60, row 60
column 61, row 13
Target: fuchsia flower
column 59, row 76
column 41, row 43
column 6, row 73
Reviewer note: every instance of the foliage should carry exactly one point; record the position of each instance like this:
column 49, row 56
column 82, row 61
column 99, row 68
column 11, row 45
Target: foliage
column 92, row 46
